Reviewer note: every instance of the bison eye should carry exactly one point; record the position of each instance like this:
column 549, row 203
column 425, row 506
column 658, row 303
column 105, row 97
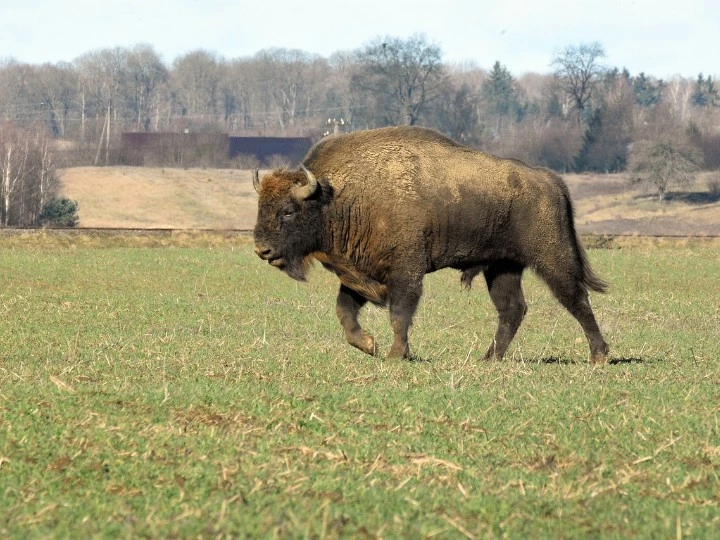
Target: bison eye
column 288, row 213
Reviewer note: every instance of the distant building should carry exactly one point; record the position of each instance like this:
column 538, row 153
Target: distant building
column 266, row 148
column 209, row 149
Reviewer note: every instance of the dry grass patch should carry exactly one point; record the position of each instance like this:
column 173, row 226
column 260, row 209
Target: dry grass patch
column 605, row 204
column 145, row 197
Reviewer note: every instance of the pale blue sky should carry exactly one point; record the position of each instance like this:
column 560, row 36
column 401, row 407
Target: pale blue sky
column 660, row 37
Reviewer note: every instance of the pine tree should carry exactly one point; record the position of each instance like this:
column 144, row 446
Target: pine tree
column 499, row 92
column 647, row 93
column 698, row 98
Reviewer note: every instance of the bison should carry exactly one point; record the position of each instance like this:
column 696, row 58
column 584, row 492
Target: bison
column 382, row 208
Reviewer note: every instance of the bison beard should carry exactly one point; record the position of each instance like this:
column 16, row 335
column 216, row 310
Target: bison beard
column 296, row 267
column 382, row 208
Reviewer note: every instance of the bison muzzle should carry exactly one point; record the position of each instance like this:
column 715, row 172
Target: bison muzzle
column 382, row 208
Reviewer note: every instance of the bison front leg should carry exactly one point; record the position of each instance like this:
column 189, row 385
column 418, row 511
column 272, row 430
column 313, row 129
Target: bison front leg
column 348, row 307
column 403, row 303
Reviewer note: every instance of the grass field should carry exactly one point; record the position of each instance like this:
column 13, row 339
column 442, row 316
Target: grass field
column 194, row 391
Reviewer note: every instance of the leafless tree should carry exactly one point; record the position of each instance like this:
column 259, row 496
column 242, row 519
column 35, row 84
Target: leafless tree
column 145, row 76
column 579, row 69
column 662, row 163
column 27, row 174
column 195, row 81
column 103, row 75
column 403, row 76
column 58, row 87
column 295, row 79
column 343, row 99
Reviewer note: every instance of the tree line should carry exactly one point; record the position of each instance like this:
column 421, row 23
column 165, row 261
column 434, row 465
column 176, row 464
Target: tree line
column 581, row 116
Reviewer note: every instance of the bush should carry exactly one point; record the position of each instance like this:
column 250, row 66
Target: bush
column 278, row 161
column 59, row 212
column 245, row 161
column 712, row 181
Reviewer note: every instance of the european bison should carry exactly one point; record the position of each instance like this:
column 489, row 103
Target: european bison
column 382, row 208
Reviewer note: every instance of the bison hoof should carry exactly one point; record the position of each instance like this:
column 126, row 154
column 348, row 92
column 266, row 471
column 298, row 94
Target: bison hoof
column 365, row 342
column 599, row 359
column 399, row 352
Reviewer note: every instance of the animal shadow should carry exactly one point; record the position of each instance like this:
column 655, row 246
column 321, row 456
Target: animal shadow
column 416, row 359
column 557, row 360
column 614, row 361
column 626, row 360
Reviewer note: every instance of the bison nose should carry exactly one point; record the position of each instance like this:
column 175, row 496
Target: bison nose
column 263, row 252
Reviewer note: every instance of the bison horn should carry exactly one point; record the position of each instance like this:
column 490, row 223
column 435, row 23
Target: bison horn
column 303, row 192
column 256, row 180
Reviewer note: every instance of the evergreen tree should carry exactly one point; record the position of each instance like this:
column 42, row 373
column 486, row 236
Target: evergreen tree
column 698, row 98
column 647, row 93
column 711, row 93
column 705, row 93
column 499, row 92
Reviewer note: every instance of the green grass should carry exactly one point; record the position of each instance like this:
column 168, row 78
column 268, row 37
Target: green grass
column 192, row 392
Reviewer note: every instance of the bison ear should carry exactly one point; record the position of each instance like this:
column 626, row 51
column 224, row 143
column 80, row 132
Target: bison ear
column 256, row 180
column 306, row 191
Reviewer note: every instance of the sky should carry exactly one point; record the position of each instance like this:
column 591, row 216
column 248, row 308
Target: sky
column 662, row 38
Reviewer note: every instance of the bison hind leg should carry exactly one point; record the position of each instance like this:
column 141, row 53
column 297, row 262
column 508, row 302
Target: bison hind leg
column 572, row 293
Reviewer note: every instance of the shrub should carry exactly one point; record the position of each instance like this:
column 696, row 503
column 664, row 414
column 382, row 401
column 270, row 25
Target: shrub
column 278, row 161
column 59, row 212
column 245, row 161
column 712, row 181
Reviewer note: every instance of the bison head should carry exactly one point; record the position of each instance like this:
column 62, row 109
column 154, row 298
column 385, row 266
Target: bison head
column 288, row 227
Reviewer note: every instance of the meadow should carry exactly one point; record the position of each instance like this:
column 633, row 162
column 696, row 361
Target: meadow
column 193, row 391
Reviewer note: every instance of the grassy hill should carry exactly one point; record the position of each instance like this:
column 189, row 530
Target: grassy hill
column 135, row 197
column 139, row 197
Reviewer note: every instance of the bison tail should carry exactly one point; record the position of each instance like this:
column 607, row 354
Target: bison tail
column 590, row 279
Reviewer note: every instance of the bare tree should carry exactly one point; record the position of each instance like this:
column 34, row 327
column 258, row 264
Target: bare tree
column 27, row 175
column 663, row 163
column 295, row 78
column 342, row 98
column 20, row 96
column 195, row 80
column 145, row 75
column 104, row 74
column 578, row 68
column 677, row 95
column 402, row 75
column 13, row 160
column 58, row 88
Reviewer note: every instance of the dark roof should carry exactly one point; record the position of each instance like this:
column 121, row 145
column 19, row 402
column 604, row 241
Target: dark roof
column 263, row 148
